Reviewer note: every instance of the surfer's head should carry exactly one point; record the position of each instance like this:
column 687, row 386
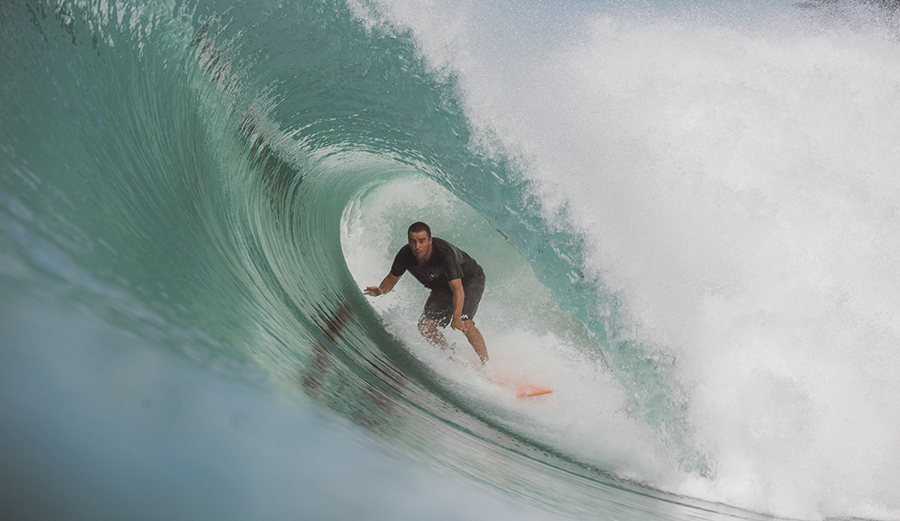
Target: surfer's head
column 419, row 236
column 419, row 227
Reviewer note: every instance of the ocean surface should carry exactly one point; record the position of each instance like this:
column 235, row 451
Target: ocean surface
column 688, row 214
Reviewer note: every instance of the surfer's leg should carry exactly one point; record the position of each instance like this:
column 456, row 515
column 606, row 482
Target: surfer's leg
column 429, row 329
column 437, row 313
column 473, row 335
column 474, row 288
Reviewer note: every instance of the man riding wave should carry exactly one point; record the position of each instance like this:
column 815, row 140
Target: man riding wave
column 456, row 282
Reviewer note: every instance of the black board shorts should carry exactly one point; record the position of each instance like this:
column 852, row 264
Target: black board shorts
column 439, row 306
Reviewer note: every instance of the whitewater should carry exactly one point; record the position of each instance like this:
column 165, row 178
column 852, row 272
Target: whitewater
column 687, row 214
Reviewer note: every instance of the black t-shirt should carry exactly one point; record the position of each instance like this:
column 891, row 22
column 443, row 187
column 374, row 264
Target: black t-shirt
column 447, row 262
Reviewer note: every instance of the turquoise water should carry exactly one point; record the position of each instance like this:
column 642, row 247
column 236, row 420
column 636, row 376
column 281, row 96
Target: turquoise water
column 686, row 213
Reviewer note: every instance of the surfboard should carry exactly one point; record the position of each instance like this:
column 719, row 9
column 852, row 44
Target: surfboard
column 529, row 390
column 522, row 389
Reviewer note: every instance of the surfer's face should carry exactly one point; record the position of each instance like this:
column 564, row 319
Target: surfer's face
column 420, row 244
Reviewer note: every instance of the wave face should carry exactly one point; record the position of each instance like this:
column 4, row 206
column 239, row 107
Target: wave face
column 688, row 218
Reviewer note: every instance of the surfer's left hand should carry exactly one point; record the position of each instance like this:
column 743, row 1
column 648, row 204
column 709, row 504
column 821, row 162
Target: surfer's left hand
column 458, row 324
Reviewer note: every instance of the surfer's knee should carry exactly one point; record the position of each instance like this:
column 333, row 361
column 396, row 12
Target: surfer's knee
column 470, row 328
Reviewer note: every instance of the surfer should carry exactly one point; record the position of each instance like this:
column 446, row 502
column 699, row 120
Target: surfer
column 456, row 282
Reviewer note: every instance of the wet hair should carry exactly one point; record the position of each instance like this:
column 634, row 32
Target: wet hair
column 419, row 227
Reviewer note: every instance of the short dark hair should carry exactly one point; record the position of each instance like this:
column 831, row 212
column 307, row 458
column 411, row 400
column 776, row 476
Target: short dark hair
column 419, row 227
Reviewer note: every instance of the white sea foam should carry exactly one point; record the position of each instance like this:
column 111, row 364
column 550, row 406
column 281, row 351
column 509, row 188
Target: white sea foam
column 529, row 338
column 735, row 184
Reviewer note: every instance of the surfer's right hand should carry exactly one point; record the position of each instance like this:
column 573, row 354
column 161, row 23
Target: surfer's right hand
column 372, row 291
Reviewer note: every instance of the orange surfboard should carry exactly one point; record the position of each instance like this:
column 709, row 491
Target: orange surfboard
column 523, row 390
column 528, row 390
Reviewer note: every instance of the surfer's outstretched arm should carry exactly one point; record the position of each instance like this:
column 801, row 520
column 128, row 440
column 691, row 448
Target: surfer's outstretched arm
column 386, row 285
